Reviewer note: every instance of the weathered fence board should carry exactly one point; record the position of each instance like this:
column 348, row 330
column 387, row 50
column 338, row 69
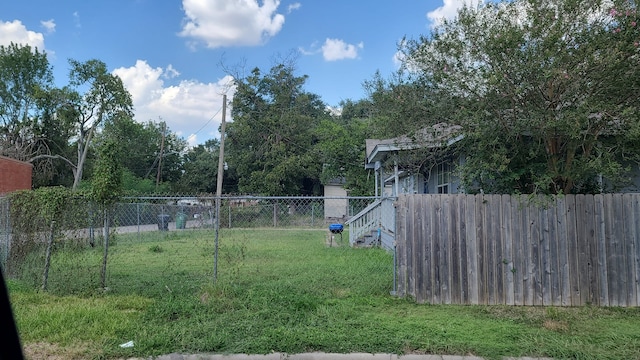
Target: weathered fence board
column 410, row 253
column 593, row 245
column 454, row 234
column 629, row 252
column 636, row 243
column 599, row 221
column 554, row 268
column 401, row 237
column 612, row 261
column 427, row 247
column 518, row 254
column 563, row 252
column 569, row 250
column 472, row 249
column 547, row 259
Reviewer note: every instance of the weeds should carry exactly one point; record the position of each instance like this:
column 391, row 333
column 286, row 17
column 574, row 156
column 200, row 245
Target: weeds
column 286, row 291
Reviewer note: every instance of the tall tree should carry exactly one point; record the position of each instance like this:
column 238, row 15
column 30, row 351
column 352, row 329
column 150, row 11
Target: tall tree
column 153, row 153
column 106, row 188
column 341, row 147
column 401, row 104
column 105, row 98
column 53, row 133
column 169, row 150
column 200, row 165
column 25, row 76
column 200, row 168
column 547, row 91
column 141, row 141
column 271, row 136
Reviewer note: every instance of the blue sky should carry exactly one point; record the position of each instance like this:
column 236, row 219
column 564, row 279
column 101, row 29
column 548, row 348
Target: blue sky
column 175, row 56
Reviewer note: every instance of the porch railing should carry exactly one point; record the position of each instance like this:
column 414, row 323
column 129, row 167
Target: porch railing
column 377, row 219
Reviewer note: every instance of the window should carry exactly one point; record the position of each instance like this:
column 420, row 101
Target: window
column 443, row 177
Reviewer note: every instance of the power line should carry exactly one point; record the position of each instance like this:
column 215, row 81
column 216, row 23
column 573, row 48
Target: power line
column 207, row 123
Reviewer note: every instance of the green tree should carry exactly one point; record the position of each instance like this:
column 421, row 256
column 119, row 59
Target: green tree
column 547, row 92
column 405, row 105
column 25, row 76
column 106, row 188
column 200, row 166
column 146, row 144
column 54, row 134
column 341, row 147
column 106, row 182
column 105, row 98
column 401, row 104
column 200, row 169
column 169, row 152
column 142, row 144
column 272, row 135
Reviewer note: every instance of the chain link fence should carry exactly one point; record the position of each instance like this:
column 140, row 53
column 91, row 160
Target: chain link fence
column 176, row 213
column 66, row 255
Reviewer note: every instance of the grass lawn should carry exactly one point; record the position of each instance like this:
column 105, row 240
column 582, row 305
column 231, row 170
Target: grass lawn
column 281, row 291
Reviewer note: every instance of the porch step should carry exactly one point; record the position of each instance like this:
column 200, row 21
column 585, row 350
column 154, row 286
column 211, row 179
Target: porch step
column 368, row 240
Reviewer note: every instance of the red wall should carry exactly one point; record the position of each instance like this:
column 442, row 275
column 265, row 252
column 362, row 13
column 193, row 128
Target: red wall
column 14, row 175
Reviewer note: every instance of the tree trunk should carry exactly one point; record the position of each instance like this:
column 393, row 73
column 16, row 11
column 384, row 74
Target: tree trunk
column 47, row 263
column 83, row 150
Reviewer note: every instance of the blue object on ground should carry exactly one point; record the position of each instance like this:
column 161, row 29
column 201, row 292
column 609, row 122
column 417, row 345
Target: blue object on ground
column 336, row 228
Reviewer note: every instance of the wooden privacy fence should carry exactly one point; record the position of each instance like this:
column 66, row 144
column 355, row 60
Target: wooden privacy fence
column 502, row 249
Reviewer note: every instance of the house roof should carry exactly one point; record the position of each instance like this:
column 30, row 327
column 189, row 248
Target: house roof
column 438, row 135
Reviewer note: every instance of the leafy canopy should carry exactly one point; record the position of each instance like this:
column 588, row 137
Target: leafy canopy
column 272, row 132
column 546, row 91
column 25, row 77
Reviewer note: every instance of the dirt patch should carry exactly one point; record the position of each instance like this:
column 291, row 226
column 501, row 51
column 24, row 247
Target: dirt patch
column 555, row 325
column 333, row 240
column 46, row 351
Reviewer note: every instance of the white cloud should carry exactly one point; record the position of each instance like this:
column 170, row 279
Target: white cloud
column 191, row 109
column 76, row 19
column 170, row 72
column 292, row 7
column 49, row 25
column 449, row 10
column 336, row 49
column 220, row 23
column 16, row 32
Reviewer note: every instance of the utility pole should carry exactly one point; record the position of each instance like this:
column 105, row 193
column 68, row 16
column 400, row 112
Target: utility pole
column 219, row 184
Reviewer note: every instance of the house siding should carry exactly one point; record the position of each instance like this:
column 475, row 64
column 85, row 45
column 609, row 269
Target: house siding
column 14, row 175
column 412, row 184
column 455, row 187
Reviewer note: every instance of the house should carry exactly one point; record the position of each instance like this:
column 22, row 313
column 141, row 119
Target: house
column 418, row 163
column 399, row 171
column 14, row 175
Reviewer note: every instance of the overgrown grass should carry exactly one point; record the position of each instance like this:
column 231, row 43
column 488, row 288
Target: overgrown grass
column 284, row 291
